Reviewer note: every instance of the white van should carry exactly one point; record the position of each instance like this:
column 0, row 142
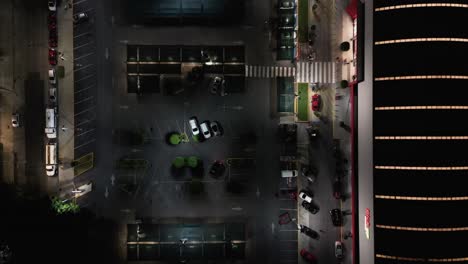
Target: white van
column 51, row 159
column 288, row 173
column 51, row 123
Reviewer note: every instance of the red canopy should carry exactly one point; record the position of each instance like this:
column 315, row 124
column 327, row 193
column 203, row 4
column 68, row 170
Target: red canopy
column 352, row 9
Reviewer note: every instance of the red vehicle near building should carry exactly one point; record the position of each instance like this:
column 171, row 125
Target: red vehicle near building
column 316, row 101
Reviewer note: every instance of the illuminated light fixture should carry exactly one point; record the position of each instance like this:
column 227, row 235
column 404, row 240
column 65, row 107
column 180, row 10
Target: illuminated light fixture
column 409, row 40
column 421, row 107
column 386, row 8
column 419, row 168
column 423, row 229
column 415, row 77
column 420, row 198
column 421, row 259
column 421, row 138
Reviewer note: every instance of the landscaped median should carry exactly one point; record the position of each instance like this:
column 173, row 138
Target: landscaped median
column 303, row 20
column 302, row 102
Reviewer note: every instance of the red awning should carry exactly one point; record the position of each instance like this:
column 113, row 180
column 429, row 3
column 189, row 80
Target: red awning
column 352, row 9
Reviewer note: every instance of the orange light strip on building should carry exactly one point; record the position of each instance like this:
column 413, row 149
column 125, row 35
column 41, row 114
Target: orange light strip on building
column 421, row 138
column 387, row 8
column 420, row 198
column 422, row 107
column 396, row 41
column 422, row 77
column 421, row 259
column 423, row 229
column 419, row 168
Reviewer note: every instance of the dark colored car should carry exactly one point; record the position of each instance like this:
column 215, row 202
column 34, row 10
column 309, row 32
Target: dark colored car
column 308, row 231
column 53, row 38
column 309, row 257
column 217, row 169
column 337, row 186
column 336, row 216
column 216, row 128
column 312, row 208
column 52, row 57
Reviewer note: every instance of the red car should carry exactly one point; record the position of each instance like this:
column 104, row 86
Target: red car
column 53, row 38
column 52, row 18
column 315, row 102
column 52, row 57
column 309, row 257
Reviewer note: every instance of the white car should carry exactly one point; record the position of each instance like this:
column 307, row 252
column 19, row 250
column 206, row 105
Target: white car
column 338, row 249
column 53, row 94
column 52, row 77
column 15, row 120
column 193, row 122
column 80, row 17
column 52, row 5
column 305, row 196
column 205, row 129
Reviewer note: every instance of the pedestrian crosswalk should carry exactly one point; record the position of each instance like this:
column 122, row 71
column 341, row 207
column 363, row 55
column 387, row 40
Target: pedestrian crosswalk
column 258, row 71
column 318, row 71
column 304, row 72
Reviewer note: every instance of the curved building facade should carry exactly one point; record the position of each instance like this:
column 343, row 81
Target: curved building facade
column 420, row 132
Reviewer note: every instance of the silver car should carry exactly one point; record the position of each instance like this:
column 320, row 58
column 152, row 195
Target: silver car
column 193, row 122
column 338, row 249
column 15, row 120
column 205, row 129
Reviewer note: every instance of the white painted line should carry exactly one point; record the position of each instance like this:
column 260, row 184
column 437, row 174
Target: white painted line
column 86, row 55
column 289, row 230
column 84, row 111
column 86, row 44
column 91, row 75
column 84, row 144
column 87, row 131
column 84, row 89
column 84, row 100
column 83, row 67
column 84, row 122
column 82, row 34
column 79, row 2
column 288, row 209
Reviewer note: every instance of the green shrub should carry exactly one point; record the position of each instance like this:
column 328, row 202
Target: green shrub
column 192, row 161
column 175, row 139
column 178, row 162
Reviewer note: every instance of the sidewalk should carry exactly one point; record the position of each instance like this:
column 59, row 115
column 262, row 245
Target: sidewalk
column 65, row 99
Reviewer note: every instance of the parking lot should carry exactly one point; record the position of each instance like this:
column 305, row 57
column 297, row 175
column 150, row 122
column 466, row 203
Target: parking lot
column 85, row 79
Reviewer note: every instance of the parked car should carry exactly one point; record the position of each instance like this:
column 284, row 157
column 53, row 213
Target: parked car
column 287, row 5
column 205, row 129
column 83, row 189
column 215, row 85
column 309, row 257
column 217, row 169
column 53, row 94
column 52, row 76
column 305, row 196
column 15, row 120
column 52, row 56
column 337, row 186
column 216, row 128
column 338, row 249
column 312, row 208
column 52, row 5
column 52, row 24
column 336, row 216
column 193, row 122
column 53, row 38
column 316, row 100
column 308, row 231
column 52, row 17
column 80, row 17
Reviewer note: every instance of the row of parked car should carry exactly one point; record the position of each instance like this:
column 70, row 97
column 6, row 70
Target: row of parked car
column 51, row 150
column 206, row 128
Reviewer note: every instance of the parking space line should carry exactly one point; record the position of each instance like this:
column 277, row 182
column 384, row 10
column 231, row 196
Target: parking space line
column 84, row 122
column 87, row 10
column 87, row 131
column 83, row 67
column 159, row 129
column 288, row 240
column 288, row 209
column 82, row 34
column 84, row 100
column 86, row 55
column 79, row 2
column 84, row 89
column 290, row 230
column 178, row 126
column 84, row 78
column 84, row 144
column 86, row 44
column 84, row 111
